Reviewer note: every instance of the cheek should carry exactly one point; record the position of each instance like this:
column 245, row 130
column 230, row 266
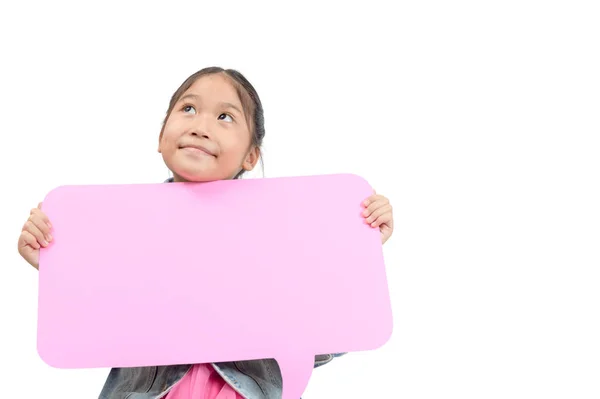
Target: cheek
column 169, row 135
column 234, row 148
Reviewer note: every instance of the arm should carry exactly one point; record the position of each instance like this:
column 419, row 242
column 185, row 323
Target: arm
column 321, row 360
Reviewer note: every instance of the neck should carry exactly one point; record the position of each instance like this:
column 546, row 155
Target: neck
column 178, row 179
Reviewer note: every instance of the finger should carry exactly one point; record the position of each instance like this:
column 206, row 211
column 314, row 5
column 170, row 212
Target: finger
column 32, row 229
column 40, row 215
column 385, row 219
column 28, row 239
column 379, row 212
column 41, row 222
column 371, row 199
column 374, row 206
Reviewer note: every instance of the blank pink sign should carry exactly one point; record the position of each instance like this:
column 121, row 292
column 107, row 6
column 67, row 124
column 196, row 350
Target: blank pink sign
column 179, row 273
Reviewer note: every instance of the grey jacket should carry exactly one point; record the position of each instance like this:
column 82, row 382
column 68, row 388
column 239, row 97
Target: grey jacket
column 255, row 379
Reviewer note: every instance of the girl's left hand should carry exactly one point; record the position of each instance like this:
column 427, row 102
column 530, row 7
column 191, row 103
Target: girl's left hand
column 378, row 213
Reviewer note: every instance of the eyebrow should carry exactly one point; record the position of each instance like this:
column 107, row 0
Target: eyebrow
column 222, row 104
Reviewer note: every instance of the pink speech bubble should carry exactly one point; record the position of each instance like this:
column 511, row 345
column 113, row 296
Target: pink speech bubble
column 282, row 268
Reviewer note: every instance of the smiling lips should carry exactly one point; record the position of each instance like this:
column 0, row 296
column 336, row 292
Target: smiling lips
column 197, row 149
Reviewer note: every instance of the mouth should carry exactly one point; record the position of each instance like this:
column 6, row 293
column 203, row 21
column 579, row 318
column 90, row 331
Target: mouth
column 197, row 149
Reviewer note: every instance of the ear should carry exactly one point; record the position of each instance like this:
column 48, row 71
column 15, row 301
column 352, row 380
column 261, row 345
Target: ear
column 159, row 141
column 251, row 159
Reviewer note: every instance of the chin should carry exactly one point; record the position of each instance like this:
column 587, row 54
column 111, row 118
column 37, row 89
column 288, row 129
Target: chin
column 198, row 176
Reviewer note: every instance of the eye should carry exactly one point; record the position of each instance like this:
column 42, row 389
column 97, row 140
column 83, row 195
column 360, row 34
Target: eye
column 189, row 108
column 223, row 116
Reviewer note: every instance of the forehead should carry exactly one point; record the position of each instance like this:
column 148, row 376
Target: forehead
column 214, row 88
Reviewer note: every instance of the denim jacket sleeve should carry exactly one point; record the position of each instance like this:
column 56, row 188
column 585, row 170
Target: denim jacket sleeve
column 321, row 360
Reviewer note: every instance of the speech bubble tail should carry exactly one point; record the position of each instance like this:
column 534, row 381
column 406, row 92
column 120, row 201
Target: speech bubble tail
column 295, row 372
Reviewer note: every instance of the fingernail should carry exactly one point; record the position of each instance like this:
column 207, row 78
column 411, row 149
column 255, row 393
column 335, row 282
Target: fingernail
column 49, row 238
column 369, row 220
column 373, row 224
column 365, row 213
column 44, row 243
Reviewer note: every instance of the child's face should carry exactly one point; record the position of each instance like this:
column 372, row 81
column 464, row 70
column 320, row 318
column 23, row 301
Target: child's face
column 206, row 136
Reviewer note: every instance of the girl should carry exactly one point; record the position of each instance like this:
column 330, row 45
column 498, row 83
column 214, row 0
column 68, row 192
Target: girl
column 213, row 129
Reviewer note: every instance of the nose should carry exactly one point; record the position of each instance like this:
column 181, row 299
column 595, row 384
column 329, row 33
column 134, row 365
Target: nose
column 201, row 127
column 200, row 133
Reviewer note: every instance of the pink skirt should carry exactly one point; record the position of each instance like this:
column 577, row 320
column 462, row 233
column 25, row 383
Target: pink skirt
column 202, row 382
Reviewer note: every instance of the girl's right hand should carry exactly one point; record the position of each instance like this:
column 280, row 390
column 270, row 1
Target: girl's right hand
column 35, row 234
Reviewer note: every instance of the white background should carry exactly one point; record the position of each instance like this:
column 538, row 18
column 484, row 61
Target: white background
column 479, row 120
